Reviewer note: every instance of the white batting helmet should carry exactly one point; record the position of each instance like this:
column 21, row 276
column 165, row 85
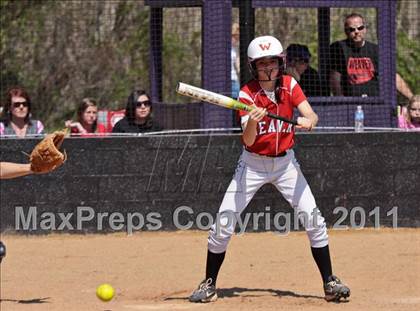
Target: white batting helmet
column 265, row 46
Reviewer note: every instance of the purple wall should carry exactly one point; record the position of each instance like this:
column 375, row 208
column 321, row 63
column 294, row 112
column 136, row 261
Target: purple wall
column 333, row 111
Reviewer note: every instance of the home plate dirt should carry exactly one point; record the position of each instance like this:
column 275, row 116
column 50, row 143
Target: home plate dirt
column 158, row 271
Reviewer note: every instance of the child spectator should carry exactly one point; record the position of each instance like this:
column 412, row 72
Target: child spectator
column 410, row 118
column 87, row 120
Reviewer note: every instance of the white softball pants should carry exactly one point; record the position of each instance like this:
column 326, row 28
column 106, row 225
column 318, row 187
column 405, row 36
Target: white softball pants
column 252, row 172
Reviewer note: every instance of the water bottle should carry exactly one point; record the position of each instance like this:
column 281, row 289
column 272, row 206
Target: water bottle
column 358, row 119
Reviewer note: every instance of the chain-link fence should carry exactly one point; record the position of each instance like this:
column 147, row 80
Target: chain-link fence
column 64, row 51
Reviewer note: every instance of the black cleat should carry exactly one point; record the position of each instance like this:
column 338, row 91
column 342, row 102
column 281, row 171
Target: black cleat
column 205, row 292
column 335, row 290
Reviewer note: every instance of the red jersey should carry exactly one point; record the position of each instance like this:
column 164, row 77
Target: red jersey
column 273, row 136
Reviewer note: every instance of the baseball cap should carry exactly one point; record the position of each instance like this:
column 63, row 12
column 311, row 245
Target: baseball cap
column 298, row 51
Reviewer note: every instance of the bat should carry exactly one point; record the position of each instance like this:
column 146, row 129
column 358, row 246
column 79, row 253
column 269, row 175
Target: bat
column 221, row 100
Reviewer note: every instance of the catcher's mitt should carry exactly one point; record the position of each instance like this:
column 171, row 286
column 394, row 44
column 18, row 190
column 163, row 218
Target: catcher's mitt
column 46, row 155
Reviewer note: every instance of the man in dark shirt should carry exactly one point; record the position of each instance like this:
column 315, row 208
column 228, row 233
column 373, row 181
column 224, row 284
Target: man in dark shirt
column 354, row 61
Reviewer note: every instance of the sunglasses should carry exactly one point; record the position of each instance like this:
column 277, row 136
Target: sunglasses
column 18, row 104
column 353, row 29
column 146, row 103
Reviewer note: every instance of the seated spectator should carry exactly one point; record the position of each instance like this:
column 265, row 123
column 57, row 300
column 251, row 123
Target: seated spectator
column 410, row 118
column 16, row 118
column 87, row 120
column 353, row 63
column 138, row 115
column 297, row 65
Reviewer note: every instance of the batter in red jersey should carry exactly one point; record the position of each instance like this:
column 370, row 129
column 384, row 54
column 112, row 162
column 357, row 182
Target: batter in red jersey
column 268, row 158
column 274, row 137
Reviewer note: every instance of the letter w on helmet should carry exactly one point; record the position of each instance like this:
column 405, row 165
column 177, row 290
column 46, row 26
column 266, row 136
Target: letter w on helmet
column 265, row 46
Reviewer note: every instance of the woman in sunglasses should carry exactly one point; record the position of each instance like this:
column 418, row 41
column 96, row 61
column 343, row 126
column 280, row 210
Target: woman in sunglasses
column 87, row 120
column 17, row 115
column 138, row 115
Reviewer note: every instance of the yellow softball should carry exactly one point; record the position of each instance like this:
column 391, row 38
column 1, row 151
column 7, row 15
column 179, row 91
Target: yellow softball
column 105, row 292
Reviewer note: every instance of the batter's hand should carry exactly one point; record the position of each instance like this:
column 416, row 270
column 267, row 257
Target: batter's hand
column 304, row 123
column 257, row 114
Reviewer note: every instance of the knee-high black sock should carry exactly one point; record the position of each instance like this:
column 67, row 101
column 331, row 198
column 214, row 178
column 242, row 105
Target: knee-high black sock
column 323, row 261
column 214, row 262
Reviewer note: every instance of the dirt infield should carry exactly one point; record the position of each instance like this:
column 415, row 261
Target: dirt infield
column 157, row 271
